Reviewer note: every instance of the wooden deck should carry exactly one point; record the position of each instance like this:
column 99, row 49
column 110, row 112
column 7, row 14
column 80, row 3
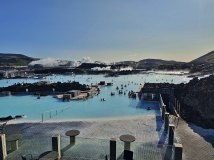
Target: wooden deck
column 139, row 89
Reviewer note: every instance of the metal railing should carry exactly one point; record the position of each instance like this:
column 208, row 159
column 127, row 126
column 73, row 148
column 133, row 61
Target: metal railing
column 53, row 111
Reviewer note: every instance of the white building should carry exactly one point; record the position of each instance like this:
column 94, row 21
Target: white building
column 14, row 73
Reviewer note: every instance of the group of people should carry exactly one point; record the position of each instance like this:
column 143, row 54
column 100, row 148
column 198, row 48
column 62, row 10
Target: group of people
column 132, row 94
column 102, row 99
column 121, row 92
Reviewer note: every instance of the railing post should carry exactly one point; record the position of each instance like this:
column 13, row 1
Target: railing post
column 3, row 148
column 178, row 149
column 163, row 111
column 56, row 112
column 42, row 118
column 50, row 114
column 177, row 105
column 166, row 121
column 56, row 144
column 171, row 134
column 113, row 148
column 180, row 109
column 175, row 102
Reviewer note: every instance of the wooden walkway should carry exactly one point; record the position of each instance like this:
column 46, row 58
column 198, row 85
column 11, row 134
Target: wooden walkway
column 198, row 143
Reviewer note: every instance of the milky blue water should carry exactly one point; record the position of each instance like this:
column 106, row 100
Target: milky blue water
column 118, row 106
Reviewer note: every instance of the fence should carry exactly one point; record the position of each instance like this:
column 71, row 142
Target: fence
column 55, row 113
column 169, row 126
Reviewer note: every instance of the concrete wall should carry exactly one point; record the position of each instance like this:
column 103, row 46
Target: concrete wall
column 74, row 93
column 67, row 96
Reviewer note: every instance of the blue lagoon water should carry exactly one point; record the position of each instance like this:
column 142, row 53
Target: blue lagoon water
column 118, row 106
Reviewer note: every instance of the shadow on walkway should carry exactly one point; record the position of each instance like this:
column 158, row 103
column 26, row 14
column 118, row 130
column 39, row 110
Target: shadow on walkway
column 159, row 123
column 66, row 148
column 207, row 134
column 162, row 139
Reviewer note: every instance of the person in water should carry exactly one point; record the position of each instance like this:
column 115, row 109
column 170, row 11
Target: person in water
column 149, row 108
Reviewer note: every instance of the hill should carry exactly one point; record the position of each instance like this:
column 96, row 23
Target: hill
column 10, row 59
column 207, row 58
column 155, row 63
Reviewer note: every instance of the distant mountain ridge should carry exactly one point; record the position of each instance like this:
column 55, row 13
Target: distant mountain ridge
column 11, row 59
column 155, row 62
column 207, row 58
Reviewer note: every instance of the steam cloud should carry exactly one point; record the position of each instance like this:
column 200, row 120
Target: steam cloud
column 126, row 69
column 46, row 62
column 109, row 68
column 101, row 69
column 86, row 60
column 76, row 63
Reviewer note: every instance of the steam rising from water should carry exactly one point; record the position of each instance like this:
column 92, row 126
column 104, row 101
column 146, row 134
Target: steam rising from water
column 101, row 69
column 46, row 62
column 126, row 69
column 86, row 60
column 109, row 68
column 76, row 63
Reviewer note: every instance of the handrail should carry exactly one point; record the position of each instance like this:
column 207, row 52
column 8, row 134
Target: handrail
column 56, row 110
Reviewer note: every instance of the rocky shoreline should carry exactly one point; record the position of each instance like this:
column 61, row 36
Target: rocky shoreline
column 44, row 87
column 196, row 98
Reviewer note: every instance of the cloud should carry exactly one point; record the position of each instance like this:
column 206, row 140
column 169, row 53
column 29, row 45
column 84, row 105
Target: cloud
column 133, row 55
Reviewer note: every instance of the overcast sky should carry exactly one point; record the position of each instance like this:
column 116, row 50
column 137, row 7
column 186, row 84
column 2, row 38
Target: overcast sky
column 110, row 30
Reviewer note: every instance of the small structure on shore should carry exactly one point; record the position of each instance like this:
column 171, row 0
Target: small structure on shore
column 74, row 93
column 109, row 84
column 102, row 83
column 70, row 94
column 66, row 96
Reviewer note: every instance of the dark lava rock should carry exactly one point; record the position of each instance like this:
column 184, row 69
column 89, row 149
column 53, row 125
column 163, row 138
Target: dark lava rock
column 196, row 99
